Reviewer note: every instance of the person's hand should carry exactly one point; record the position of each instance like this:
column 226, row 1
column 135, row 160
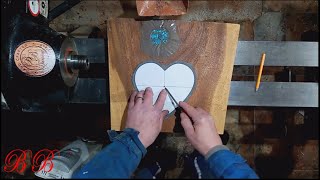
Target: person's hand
column 145, row 117
column 202, row 134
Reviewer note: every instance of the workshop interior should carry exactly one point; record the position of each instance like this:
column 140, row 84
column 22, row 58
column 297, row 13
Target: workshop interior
column 68, row 68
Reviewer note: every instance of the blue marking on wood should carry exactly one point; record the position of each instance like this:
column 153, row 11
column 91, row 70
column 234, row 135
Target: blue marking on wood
column 158, row 36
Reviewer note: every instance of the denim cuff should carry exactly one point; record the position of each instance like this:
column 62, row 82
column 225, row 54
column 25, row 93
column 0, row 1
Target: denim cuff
column 215, row 149
column 129, row 137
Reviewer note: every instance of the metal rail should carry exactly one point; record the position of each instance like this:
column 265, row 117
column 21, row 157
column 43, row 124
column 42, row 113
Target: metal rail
column 281, row 53
column 274, row 94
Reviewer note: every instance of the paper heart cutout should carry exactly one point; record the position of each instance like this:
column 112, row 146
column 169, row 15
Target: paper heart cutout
column 178, row 78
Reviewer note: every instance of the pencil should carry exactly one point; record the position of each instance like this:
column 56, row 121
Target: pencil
column 263, row 57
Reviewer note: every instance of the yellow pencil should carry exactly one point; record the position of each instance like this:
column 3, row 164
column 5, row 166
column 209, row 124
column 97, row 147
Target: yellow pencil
column 263, row 57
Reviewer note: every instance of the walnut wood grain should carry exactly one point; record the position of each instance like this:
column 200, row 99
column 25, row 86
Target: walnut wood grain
column 210, row 47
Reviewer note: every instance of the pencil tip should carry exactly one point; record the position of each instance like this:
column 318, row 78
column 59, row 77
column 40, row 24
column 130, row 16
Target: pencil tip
column 257, row 89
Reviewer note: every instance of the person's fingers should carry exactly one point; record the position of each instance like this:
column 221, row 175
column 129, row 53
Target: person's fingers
column 139, row 97
column 148, row 96
column 200, row 110
column 131, row 100
column 161, row 99
column 197, row 108
column 189, row 110
column 187, row 125
column 164, row 113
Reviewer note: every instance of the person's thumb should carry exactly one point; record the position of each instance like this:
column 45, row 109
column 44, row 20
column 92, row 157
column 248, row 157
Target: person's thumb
column 187, row 125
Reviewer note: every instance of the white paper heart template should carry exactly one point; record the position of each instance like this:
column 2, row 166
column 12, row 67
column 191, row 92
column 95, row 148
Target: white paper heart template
column 178, row 78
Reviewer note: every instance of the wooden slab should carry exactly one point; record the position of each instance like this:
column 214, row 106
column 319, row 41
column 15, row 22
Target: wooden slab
column 210, row 47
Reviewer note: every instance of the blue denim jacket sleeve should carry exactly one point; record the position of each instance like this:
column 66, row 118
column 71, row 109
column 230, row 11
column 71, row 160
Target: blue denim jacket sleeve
column 226, row 164
column 117, row 160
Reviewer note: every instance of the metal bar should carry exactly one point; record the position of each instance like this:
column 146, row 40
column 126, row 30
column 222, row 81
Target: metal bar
column 278, row 53
column 274, row 94
column 94, row 49
column 61, row 8
column 90, row 90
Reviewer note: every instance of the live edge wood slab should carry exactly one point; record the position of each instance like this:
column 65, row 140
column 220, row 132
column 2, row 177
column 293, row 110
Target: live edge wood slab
column 209, row 47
